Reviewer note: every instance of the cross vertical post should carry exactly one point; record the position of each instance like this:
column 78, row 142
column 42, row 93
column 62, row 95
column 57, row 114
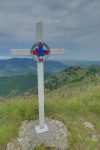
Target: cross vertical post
column 40, row 69
column 40, row 73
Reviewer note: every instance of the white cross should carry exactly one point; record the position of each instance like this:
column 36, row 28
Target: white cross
column 40, row 73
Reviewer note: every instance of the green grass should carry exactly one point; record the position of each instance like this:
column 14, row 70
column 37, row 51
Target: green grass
column 12, row 112
column 78, row 106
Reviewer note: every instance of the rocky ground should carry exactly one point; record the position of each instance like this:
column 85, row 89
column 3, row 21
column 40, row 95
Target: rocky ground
column 28, row 139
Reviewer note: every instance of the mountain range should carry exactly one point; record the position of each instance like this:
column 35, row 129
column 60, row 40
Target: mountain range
column 19, row 66
column 28, row 82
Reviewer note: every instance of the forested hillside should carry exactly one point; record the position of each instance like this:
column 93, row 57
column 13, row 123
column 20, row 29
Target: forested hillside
column 73, row 74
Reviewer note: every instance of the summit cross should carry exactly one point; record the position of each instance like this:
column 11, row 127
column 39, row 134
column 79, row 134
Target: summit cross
column 40, row 52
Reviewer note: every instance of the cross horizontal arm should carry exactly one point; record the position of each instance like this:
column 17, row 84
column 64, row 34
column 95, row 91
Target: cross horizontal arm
column 20, row 52
column 57, row 51
column 27, row 52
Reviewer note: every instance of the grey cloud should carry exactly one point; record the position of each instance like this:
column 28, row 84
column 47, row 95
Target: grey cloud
column 66, row 21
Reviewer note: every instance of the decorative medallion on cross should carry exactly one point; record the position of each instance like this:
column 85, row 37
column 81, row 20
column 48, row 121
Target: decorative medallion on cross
column 39, row 52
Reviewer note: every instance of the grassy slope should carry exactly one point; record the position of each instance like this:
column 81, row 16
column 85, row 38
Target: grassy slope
column 80, row 104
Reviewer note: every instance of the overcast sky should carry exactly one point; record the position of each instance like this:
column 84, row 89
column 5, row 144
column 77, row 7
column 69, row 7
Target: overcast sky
column 70, row 24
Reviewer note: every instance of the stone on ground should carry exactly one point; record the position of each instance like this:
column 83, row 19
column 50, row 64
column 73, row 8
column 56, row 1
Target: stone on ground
column 89, row 125
column 56, row 137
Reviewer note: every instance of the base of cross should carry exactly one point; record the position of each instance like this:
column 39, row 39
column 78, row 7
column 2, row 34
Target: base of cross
column 39, row 130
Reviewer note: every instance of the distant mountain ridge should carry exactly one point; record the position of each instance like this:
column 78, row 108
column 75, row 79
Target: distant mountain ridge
column 81, row 63
column 19, row 66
